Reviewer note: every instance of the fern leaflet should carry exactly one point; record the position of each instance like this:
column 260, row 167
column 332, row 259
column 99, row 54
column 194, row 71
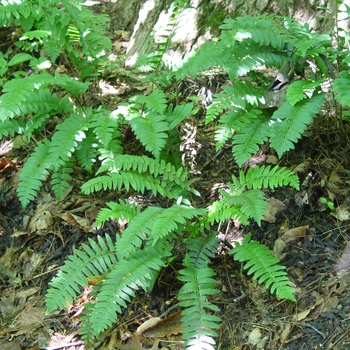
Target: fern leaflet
column 341, row 87
column 247, row 141
column 66, row 138
column 169, row 220
column 252, row 202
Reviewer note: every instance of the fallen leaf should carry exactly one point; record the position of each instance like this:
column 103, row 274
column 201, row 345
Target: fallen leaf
column 273, row 207
column 342, row 212
column 294, row 234
column 158, row 328
column 343, row 262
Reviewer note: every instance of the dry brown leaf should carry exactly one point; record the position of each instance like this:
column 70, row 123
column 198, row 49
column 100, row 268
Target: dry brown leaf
column 343, row 262
column 342, row 212
column 273, row 206
column 286, row 332
column 294, row 234
column 255, row 336
column 170, row 325
column 77, row 221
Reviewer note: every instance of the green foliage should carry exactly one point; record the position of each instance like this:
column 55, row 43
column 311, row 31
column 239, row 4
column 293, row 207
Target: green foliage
column 241, row 109
column 264, row 267
column 245, row 199
column 80, row 137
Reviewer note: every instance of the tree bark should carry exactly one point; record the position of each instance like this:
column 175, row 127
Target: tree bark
column 201, row 21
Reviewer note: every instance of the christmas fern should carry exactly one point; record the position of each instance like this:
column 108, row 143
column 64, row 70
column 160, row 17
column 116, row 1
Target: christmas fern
column 95, row 259
column 264, row 267
column 198, row 321
column 90, row 139
column 118, row 287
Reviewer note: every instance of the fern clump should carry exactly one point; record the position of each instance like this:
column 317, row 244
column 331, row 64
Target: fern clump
column 251, row 111
column 133, row 262
column 89, row 138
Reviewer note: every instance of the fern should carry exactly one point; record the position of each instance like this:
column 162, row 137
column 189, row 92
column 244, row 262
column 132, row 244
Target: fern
column 252, row 203
column 291, row 121
column 131, row 273
column 60, row 179
column 340, row 86
column 33, row 173
column 240, row 204
column 264, row 267
column 66, row 138
column 121, row 210
column 96, row 259
column 142, row 173
column 266, row 177
column 172, row 219
column 151, row 130
column 251, row 135
column 138, row 230
column 197, row 323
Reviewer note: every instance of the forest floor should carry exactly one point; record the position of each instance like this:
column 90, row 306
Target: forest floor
column 310, row 237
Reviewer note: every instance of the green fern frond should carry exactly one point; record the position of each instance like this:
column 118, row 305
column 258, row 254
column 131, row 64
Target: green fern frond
column 290, row 122
column 130, row 274
column 264, row 267
column 299, row 89
column 97, row 258
column 151, row 130
column 266, row 177
column 10, row 11
column 210, row 55
column 250, row 136
column 33, row 173
column 261, row 29
column 221, row 211
column 202, row 249
column 138, row 230
column 155, row 174
column 86, row 151
column 341, row 87
column 10, row 127
column 169, row 220
column 40, row 101
column 176, row 115
column 156, row 101
column 18, row 91
column 198, row 324
column 131, row 179
column 65, row 140
column 122, row 210
column 171, row 152
column 73, row 86
column 60, row 179
column 252, row 202
column 103, row 127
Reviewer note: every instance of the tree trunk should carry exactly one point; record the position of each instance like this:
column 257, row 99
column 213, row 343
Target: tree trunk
column 201, row 21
